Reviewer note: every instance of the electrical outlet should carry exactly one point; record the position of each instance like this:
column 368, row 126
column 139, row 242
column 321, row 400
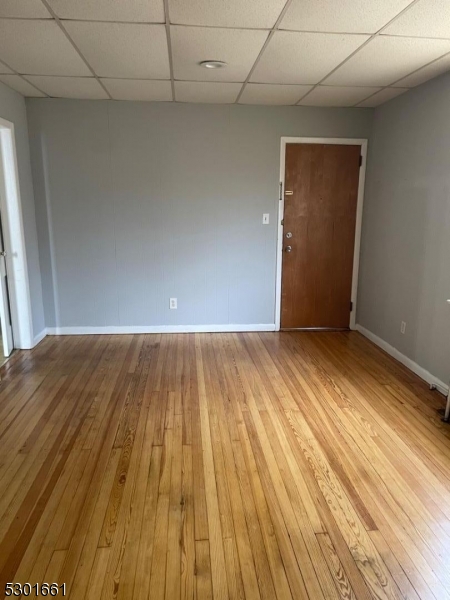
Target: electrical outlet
column 403, row 327
column 173, row 303
column 265, row 218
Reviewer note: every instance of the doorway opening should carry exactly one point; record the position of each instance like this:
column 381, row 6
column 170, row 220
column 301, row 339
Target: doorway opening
column 319, row 232
column 6, row 332
column 15, row 302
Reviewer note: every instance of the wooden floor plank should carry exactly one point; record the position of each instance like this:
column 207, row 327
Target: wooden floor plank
column 217, row 554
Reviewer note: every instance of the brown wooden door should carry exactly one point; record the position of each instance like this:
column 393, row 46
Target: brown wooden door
column 321, row 216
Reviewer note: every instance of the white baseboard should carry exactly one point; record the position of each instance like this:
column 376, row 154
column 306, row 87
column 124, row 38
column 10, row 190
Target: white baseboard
column 30, row 343
column 159, row 329
column 410, row 364
column 39, row 337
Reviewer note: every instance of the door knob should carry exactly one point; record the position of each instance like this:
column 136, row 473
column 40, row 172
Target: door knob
column 288, row 249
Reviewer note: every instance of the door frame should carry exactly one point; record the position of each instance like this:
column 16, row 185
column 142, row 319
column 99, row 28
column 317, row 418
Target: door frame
column 14, row 240
column 359, row 212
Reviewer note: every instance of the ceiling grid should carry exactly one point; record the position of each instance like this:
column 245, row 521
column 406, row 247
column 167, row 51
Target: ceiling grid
column 277, row 52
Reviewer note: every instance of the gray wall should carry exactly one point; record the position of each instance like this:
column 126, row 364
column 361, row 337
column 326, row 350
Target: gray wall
column 140, row 202
column 405, row 267
column 12, row 108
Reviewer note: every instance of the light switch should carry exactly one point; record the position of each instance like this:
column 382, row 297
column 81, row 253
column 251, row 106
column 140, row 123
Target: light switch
column 265, row 218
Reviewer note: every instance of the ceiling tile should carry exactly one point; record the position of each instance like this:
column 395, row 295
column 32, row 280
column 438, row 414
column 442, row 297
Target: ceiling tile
column 206, row 92
column 123, row 49
column 427, row 18
column 87, row 88
column 348, row 16
column 4, row 68
column 39, row 47
column 383, row 96
column 269, row 93
column 303, row 57
column 337, row 96
column 384, row 60
column 143, row 11
column 24, row 9
column 238, row 48
column 233, row 13
column 20, row 85
column 438, row 67
column 139, row 89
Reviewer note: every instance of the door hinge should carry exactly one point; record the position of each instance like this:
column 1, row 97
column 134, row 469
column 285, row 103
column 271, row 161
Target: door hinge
column 351, row 306
column 360, row 160
column 281, row 192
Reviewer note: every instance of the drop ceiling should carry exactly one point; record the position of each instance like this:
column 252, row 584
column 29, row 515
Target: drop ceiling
column 299, row 52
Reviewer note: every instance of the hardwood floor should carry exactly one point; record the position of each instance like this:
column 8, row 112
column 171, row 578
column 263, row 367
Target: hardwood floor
column 274, row 466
